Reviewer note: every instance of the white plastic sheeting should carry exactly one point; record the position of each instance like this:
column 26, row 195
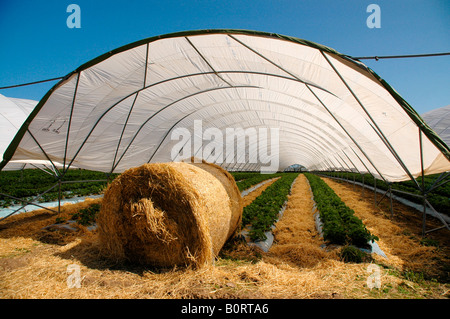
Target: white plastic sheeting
column 439, row 121
column 121, row 109
column 13, row 113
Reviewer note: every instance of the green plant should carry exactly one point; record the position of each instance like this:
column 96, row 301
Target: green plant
column 416, row 277
column 352, row 254
column 255, row 179
column 60, row 220
column 240, row 176
column 262, row 213
column 87, row 216
column 429, row 242
column 438, row 198
column 257, row 234
column 340, row 225
column 29, row 183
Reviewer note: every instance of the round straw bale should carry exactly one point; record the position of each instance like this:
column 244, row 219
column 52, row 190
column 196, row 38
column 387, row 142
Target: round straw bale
column 228, row 182
column 167, row 214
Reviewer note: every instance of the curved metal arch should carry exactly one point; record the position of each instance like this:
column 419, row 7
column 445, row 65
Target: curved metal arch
column 176, row 78
column 173, row 126
column 347, row 134
column 307, row 141
column 168, row 132
column 288, row 106
column 404, row 105
column 300, row 149
column 284, row 105
column 297, row 118
column 302, row 134
column 202, row 74
column 152, row 116
column 291, row 131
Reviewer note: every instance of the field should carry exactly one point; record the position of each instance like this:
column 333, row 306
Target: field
column 38, row 263
column 29, row 183
column 438, row 198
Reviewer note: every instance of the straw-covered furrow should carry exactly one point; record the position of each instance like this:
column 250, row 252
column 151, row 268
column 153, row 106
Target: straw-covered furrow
column 253, row 179
column 262, row 213
column 399, row 235
column 250, row 197
column 297, row 241
column 167, row 214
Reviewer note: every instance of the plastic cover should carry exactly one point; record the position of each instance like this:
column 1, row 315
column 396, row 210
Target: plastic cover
column 122, row 109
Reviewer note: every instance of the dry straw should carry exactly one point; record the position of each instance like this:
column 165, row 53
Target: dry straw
column 249, row 198
column 167, row 214
column 399, row 235
column 295, row 266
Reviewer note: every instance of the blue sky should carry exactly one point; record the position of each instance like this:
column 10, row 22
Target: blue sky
column 37, row 44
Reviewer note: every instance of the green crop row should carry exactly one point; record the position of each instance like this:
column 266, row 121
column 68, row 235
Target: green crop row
column 27, row 184
column 239, row 176
column 340, row 225
column 262, row 213
column 438, row 198
column 246, row 183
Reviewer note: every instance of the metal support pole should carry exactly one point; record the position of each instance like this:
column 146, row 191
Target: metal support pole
column 28, row 202
column 382, row 197
column 424, row 194
column 375, row 191
column 438, row 215
column 390, row 200
column 59, row 195
column 440, row 181
column 362, row 190
column 375, row 126
column 424, row 215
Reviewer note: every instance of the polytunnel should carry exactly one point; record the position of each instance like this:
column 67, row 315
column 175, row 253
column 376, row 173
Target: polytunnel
column 294, row 101
column 13, row 113
column 439, row 121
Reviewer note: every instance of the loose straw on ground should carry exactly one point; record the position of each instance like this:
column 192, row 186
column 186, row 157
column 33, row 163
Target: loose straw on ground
column 399, row 236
